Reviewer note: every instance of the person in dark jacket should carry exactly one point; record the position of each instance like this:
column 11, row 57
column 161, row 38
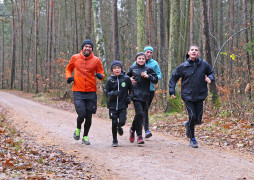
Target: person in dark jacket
column 143, row 75
column 117, row 89
column 86, row 68
column 195, row 73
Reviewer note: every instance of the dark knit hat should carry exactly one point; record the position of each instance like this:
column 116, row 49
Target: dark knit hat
column 116, row 63
column 140, row 54
column 87, row 41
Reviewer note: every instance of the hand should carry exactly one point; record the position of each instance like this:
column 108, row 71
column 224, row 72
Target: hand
column 207, row 79
column 144, row 74
column 117, row 93
column 128, row 100
column 133, row 80
column 173, row 96
column 99, row 76
column 70, row 79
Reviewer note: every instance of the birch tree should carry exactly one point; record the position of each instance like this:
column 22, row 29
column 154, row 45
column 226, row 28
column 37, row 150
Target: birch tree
column 140, row 25
column 98, row 33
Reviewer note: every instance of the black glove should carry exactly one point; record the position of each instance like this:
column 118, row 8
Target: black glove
column 114, row 93
column 128, row 100
column 99, row 75
column 70, row 79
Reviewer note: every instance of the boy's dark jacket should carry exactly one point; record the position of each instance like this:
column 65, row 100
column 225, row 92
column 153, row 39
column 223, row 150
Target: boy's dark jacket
column 117, row 90
column 141, row 89
column 194, row 87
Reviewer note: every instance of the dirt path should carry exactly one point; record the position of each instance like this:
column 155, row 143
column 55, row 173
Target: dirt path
column 162, row 157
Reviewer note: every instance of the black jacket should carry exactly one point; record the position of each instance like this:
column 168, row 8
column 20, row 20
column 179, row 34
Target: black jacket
column 121, row 83
column 193, row 85
column 141, row 89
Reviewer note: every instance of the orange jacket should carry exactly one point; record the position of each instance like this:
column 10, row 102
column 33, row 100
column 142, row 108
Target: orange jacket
column 85, row 69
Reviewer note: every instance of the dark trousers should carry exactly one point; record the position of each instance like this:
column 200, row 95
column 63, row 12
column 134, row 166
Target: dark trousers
column 140, row 108
column 118, row 120
column 146, row 117
column 195, row 112
column 85, row 110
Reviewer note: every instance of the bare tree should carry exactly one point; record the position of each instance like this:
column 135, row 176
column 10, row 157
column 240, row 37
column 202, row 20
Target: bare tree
column 35, row 47
column 76, row 25
column 115, row 31
column 246, row 41
column 13, row 64
column 207, row 48
column 191, row 20
column 140, row 25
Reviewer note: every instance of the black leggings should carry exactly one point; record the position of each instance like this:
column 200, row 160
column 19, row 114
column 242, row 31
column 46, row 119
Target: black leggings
column 115, row 115
column 87, row 124
column 140, row 108
column 195, row 111
column 146, row 118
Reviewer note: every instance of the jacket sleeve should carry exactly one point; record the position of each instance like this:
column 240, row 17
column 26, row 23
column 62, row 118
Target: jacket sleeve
column 173, row 80
column 158, row 71
column 129, row 73
column 100, row 69
column 69, row 68
column 153, row 76
column 210, row 72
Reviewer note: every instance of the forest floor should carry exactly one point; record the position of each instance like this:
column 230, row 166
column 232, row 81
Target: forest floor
column 36, row 143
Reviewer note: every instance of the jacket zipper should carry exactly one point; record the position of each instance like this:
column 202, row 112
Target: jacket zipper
column 118, row 90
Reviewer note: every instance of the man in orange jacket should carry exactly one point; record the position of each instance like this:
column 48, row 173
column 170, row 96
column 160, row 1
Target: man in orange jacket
column 87, row 67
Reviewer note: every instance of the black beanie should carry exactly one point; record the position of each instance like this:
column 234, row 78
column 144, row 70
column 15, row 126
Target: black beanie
column 139, row 54
column 87, row 41
column 116, row 63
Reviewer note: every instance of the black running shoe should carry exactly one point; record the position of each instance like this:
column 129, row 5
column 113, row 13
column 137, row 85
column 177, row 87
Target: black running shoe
column 193, row 143
column 120, row 131
column 115, row 143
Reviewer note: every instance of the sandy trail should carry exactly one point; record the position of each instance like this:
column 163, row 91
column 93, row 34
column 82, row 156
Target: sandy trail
column 161, row 157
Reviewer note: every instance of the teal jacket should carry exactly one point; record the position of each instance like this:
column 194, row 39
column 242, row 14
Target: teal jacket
column 155, row 66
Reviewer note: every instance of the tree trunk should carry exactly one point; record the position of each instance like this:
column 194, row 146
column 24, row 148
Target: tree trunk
column 35, row 47
column 162, row 59
column 116, row 53
column 2, row 76
column 173, row 42
column 13, row 64
column 76, row 26
column 207, row 48
column 148, row 14
column 140, row 25
column 191, row 21
column 50, row 41
column 22, row 6
column 249, row 70
column 88, row 19
column 98, row 33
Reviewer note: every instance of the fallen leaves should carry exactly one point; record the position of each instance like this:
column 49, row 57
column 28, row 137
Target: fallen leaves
column 22, row 158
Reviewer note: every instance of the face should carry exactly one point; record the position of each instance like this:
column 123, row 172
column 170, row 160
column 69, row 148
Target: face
column 148, row 54
column 193, row 52
column 141, row 60
column 117, row 70
column 87, row 49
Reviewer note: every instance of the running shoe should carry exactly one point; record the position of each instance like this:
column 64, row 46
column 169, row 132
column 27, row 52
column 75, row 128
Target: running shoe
column 85, row 140
column 76, row 134
column 193, row 143
column 148, row 134
column 120, row 131
column 140, row 140
column 132, row 136
column 115, row 143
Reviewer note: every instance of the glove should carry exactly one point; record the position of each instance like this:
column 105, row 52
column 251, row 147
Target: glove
column 70, row 79
column 114, row 93
column 99, row 76
column 128, row 100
